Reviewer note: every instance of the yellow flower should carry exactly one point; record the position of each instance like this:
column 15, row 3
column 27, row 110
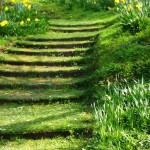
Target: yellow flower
column 22, row 23
column 13, row 1
column 6, row 8
column 139, row 6
column 36, row 20
column 29, row 7
column 116, row 1
column 28, row 19
column 3, row 23
column 25, row 1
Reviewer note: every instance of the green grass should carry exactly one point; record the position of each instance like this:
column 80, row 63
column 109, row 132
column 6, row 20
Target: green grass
column 49, row 95
column 44, row 118
column 39, row 81
column 47, row 144
column 17, row 49
column 25, row 43
column 22, row 58
column 123, row 54
column 52, row 35
column 15, row 68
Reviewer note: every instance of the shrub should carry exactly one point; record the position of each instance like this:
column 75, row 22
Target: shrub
column 133, row 14
column 21, row 19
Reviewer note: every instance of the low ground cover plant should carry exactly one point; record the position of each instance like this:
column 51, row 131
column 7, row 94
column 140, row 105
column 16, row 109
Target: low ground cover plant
column 21, row 18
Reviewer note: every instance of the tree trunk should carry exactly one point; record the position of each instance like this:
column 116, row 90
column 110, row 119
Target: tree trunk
column 1, row 3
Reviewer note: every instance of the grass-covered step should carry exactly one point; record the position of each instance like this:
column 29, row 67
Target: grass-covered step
column 39, row 83
column 56, row 44
column 31, row 120
column 46, row 52
column 63, row 23
column 41, row 71
column 39, row 95
column 58, row 143
column 41, row 60
column 62, row 37
column 75, row 29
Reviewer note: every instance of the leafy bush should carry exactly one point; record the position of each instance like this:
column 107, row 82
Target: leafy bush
column 122, row 116
column 134, row 15
column 21, row 19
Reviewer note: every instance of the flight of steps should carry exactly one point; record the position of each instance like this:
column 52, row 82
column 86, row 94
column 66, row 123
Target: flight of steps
column 42, row 89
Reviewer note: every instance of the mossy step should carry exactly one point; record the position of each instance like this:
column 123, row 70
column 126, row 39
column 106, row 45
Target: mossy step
column 69, row 118
column 72, row 30
column 38, row 83
column 47, row 45
column 58, row 143
column 46, row 52
column 39, row 95
column 41, row 71
column 62, row 39
column 41, row 60
column 74, row 24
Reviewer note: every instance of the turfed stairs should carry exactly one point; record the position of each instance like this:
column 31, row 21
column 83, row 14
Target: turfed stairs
column 42, row 88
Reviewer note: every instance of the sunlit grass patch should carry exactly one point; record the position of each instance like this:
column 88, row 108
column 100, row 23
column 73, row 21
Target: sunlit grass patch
column 44, row 118
column 46, row 144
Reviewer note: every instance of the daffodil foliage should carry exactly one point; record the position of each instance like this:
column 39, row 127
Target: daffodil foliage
column 134, row 14
column 21, row 18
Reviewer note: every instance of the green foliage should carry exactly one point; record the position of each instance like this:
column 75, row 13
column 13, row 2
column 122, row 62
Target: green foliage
column 86, row 4
column 122, row 114
column 134, row 15
column 21, row 19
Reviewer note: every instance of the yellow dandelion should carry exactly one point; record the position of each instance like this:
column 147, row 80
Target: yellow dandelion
column 22, row 23
column 13, row 1
column 3, row 23
column 116, row 1
column 28, row 19
column 29, row 7
column 6, row 8
column 36, row 20
column 139, row 6
column 25, row 1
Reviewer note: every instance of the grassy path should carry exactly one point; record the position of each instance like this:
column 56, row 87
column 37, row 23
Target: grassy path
column 41, row 89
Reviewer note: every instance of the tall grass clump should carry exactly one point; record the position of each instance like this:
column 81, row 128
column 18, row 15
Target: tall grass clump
column 21, row 18
column 122, row 117
column 134, row 15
